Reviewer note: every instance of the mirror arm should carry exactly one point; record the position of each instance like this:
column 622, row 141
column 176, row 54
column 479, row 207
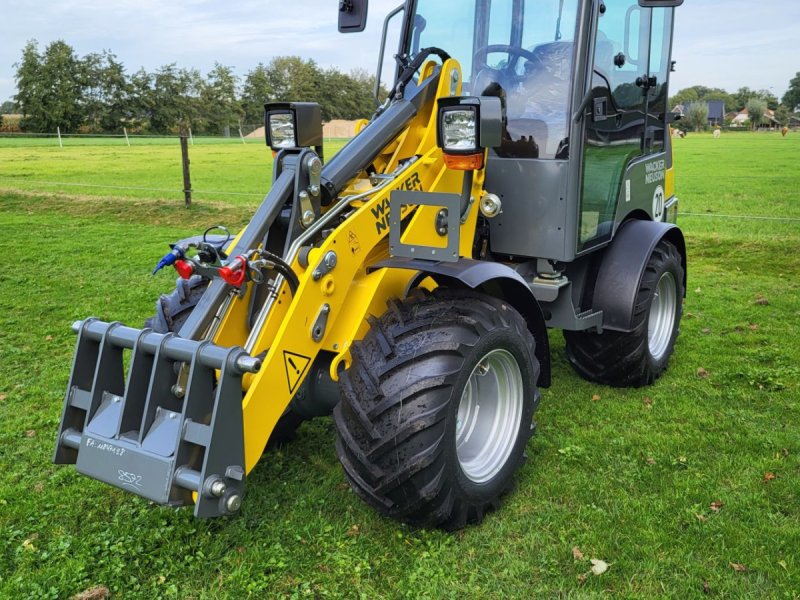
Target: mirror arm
column 581, row 111
column 382, row 51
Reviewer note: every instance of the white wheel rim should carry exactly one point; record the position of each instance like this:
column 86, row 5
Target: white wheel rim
column 662, row 316
column 489, row 416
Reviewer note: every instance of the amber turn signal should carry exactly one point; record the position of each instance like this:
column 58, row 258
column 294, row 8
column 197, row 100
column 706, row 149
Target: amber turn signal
column 464, row 162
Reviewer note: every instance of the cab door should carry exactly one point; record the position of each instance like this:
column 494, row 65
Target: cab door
column 629, row 97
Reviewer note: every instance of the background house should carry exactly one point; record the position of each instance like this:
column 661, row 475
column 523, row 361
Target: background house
column 769, row 121
column 716, row 111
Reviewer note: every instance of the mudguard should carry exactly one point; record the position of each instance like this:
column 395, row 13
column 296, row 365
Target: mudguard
column 494, row 279
column 622, row 269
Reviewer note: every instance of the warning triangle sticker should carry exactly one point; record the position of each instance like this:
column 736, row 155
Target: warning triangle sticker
column 296, row 366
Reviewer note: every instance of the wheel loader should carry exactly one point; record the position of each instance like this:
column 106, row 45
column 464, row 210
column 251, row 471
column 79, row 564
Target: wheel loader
column 517, row 178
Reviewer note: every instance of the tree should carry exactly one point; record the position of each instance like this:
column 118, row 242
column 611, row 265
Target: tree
column 288, row 78
column 791, row 99
column 50, row 87
column 173, row 98
column 701, row 93
column 61, row 75
column 140, row 99
column 107, row 92
column 346, row 96
column 756, row 109
column 768, row 97
column 57, row 88
column 697, row 115
column 8, row 107
column 782, row 115
column 293, row 79
column 742, row 95
column 167, row 99
column 30, row 86
column 219, row 107
column 684, row 98
column 366, row 81
column 256, row 91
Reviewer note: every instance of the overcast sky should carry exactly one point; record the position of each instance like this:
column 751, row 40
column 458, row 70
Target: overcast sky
column 728, row 44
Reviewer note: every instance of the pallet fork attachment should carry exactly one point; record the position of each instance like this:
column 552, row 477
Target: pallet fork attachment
column 152, row 436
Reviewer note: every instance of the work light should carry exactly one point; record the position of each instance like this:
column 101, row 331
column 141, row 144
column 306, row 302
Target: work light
column 282, row 131
column 460, row 131
column 291, row 125
column 466, row 127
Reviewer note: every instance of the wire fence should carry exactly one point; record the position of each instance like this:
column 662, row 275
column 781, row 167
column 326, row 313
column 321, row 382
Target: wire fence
column 740, row 217
column 261, row 195
column 63, row 140
column 66, row 141
column 134, row 188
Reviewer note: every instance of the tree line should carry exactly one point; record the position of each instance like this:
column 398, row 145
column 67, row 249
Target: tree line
column 695, row 101
column 96, row 94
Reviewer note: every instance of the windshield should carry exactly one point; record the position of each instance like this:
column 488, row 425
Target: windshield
column 519, row 50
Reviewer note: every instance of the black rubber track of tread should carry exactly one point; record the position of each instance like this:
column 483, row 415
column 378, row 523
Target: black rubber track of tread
column 174, row 308
column 396, row 398
column 623, row 359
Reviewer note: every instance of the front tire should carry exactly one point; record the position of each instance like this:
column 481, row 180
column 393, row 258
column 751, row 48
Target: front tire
column 436, row 408
column 638, row 357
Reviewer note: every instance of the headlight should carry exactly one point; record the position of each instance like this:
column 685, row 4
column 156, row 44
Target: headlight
column 290, row 125
column 466, row 128
column 281, row 130
column 460, row 130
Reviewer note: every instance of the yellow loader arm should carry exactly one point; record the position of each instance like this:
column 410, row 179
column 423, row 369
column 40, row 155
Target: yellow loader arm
column 331, row 306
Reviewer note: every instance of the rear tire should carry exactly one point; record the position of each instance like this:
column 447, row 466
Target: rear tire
column 638, row 357
column 172, row 311
column 437, row 406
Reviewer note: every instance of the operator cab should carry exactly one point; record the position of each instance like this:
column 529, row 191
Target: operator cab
column 517, row 51
column 583, row 88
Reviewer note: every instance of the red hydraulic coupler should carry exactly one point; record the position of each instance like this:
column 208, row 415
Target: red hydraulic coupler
column 236, row 271
column 185, row 268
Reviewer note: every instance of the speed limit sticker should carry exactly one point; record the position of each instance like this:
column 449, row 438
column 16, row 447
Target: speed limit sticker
column 658, row 204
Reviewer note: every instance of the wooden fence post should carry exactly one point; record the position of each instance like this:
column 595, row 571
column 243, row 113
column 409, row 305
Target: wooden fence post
column 187, row 180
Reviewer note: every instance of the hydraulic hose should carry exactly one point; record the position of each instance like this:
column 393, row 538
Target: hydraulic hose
column 283, row 268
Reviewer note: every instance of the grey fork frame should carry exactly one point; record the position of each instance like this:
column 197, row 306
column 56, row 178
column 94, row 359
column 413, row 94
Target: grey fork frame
column 144, row 438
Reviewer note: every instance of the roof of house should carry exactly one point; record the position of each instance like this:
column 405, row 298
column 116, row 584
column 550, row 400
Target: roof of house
column 744, row 114
column 767, row 112
column 716, row 109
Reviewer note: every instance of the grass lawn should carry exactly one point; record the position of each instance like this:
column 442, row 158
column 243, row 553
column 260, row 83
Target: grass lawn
column 222, row 169
column 689, row 488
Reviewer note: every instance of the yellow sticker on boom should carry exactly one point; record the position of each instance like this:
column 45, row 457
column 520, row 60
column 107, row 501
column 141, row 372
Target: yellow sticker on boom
column 296, row 365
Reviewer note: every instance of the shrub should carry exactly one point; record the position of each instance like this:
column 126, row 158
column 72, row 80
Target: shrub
column 10, row 123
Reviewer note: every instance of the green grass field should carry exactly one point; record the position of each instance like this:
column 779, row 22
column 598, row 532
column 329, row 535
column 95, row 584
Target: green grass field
column 690, row 488
column 222, row 169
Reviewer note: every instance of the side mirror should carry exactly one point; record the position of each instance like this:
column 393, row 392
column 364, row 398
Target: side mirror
column 352, row 15
column 659, row 3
